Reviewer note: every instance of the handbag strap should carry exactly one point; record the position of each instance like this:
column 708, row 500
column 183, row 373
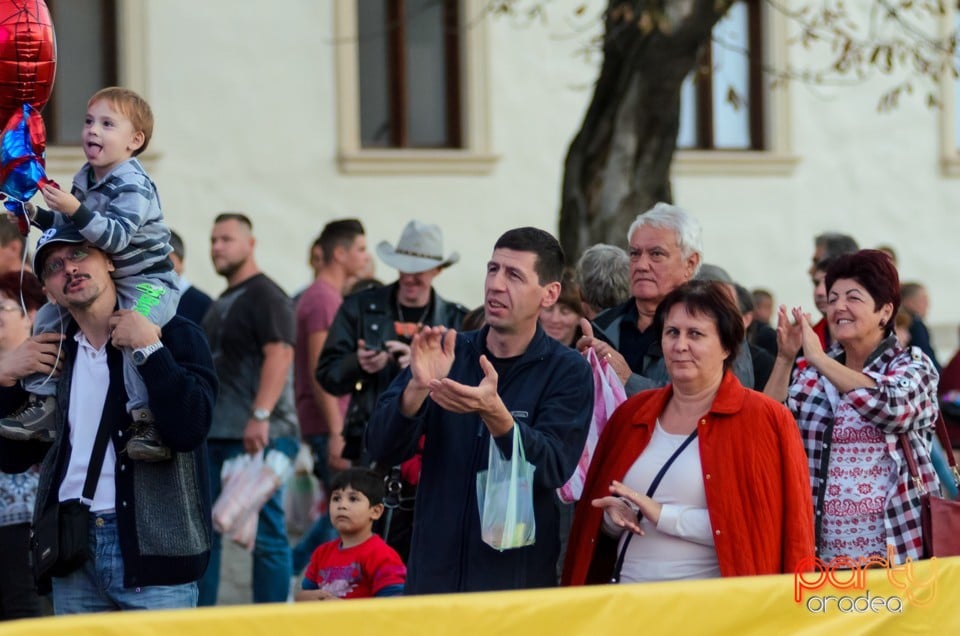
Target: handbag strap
column 96, row 461
column 615, row 578
column 944, row 437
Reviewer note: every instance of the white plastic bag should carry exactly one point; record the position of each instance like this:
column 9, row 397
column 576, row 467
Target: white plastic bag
column 303, row 502
column 304, row 497
column 248, row 482
column 505, row 498
column 608, row 394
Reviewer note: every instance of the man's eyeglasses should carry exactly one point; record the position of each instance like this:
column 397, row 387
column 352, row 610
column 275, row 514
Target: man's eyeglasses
column 9, row 308
column 56, row 265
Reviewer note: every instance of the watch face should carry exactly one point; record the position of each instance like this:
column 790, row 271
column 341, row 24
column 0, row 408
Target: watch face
column 138, row 357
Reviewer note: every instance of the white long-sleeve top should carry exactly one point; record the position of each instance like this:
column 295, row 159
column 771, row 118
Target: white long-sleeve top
column 680, row 545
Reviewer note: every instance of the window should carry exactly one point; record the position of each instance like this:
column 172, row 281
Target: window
column 722, row 100
column 732, row 121
column 99, row 43
column 412, row 86
column 409, row 67
column 86, row 32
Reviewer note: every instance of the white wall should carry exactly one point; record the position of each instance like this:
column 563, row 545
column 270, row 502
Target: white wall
column 243, row 94
column 874, row 175
column 244, row 99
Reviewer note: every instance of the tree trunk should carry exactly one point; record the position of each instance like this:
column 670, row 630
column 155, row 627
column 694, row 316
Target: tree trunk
column 618, row 164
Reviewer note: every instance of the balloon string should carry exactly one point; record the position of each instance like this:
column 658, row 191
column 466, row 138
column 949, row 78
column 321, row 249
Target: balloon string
column 56, row 361
column 23, row 307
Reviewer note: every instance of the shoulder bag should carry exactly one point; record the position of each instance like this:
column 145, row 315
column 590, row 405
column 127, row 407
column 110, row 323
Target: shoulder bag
column 939, row 517
column 60, row 544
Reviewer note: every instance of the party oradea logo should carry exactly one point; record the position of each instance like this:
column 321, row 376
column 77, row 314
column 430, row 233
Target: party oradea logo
column 840, row 585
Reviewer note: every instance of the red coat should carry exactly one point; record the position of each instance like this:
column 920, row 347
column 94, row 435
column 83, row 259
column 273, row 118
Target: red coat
column 754, row 473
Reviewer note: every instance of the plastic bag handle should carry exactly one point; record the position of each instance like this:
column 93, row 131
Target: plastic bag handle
column 515, row 452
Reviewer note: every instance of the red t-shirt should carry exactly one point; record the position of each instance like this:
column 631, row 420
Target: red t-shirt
column 357, row 572
column 316, row 310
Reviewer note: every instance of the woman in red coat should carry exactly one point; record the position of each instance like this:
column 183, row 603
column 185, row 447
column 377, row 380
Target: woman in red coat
column 735, row 500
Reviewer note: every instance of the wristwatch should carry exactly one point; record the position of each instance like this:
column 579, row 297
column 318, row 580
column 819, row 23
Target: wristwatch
column 140, row 355
column 261, row 415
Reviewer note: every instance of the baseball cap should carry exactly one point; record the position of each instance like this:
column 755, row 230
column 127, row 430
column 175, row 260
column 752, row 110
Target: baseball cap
column 61, row 235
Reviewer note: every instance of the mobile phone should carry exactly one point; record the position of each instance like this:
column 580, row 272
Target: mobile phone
column 373, row 337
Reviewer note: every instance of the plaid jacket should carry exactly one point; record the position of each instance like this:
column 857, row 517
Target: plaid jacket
column 904, row 401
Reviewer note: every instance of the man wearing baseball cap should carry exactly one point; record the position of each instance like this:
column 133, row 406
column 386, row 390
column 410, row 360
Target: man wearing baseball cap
column 369, row 341
column 146, row 556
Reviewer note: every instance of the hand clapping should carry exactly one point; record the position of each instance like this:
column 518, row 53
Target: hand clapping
column 431, row 355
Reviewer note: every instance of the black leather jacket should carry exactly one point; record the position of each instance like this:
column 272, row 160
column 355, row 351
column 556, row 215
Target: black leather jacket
column 373, row 311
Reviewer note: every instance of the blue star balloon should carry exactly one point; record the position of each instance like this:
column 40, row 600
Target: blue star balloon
column 22, row 145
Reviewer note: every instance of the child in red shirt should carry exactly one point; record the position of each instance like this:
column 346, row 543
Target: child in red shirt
column 359, row 564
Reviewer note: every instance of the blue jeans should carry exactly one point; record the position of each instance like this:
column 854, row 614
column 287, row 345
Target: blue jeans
column 98, row 585
column 272, row 565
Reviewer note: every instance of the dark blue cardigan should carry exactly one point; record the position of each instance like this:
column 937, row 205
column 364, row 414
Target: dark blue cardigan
column 163, row 509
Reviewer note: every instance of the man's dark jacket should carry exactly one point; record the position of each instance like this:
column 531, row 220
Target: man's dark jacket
column 339, row 372
column 163, row 508
column 549, row 392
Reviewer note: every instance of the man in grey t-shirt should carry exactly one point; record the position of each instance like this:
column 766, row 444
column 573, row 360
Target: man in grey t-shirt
column 251, row 333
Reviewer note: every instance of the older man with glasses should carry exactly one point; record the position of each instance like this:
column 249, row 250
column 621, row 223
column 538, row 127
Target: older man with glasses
column 665, row 251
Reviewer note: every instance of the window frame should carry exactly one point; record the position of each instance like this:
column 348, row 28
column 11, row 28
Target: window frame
column 472, row 157
column 111, row 66
column 131, row 69
column 777, row 158
column 397, row 93
column 703, row 85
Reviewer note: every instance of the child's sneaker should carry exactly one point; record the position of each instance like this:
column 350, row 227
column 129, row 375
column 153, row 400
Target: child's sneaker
column 146, row 445
column 36, row 420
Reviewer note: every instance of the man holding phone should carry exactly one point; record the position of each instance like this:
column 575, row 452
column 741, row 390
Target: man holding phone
column 368, row 343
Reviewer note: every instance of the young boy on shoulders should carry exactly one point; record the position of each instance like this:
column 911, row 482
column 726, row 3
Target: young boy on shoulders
column 359, row 564
column 114, row 204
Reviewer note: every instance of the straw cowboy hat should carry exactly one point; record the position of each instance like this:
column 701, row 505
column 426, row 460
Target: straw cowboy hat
column 419, row 249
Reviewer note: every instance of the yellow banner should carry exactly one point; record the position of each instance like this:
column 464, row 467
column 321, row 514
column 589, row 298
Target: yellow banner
column 916, row 599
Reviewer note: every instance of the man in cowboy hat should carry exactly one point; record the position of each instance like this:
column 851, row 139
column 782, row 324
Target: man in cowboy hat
column 368, row 343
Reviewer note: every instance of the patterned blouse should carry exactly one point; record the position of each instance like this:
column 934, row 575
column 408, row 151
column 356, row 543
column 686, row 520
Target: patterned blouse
column 17, row 495
column 904, row 401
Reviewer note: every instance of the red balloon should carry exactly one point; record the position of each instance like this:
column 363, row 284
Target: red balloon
column 28, row 55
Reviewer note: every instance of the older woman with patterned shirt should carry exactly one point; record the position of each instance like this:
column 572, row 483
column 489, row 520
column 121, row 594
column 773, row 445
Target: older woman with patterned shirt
column 20, row 297
column 852, row 402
